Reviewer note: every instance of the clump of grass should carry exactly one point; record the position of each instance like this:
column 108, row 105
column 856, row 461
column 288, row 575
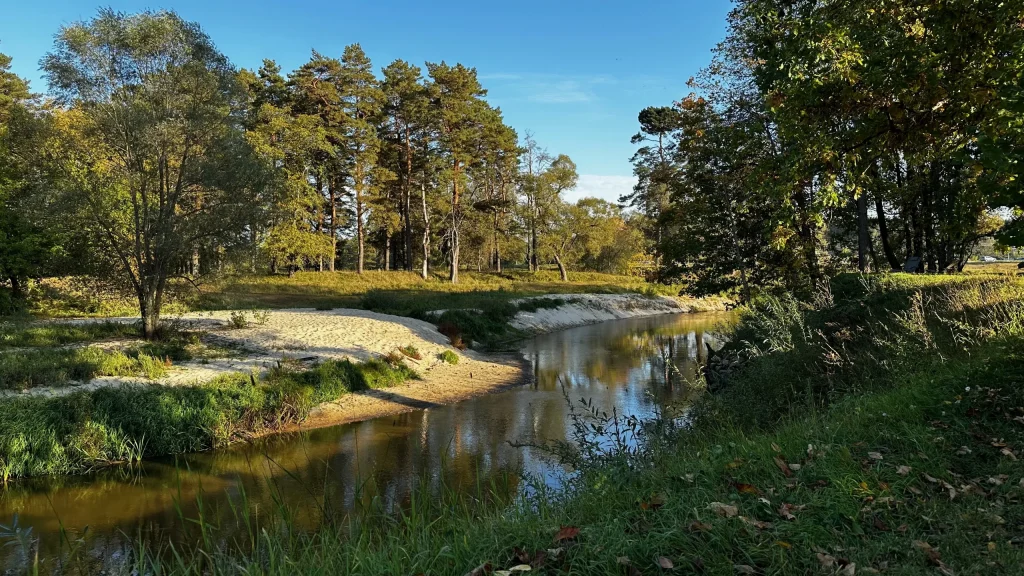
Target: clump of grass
column 22, row 370
column 22, row 334
column 448, row 357
column 411, row 352
column 83, row 430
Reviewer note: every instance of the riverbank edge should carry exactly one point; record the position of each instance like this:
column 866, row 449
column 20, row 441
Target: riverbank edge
column 578, row 310
column 349, row 407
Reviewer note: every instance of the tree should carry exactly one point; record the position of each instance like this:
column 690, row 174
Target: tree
column 580, row 232
column 406, row 104
column 24, row 244
column 288, row 142
column 153, row 152
column 653, row 166
column 316, row 93
column 361, row 103
column 456, row 102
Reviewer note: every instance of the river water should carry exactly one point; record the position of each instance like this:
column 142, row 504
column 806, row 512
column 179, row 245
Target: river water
column 637, row 366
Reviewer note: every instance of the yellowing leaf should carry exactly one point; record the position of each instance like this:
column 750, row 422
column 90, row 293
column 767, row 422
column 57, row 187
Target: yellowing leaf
column 665, row 563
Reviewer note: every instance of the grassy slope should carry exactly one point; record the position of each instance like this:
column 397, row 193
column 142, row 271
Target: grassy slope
column 904, row 418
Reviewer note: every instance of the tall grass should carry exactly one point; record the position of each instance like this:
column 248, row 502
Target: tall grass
column 83, row 430
column 23, row 370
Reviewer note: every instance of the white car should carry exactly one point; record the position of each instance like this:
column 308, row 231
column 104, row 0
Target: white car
column 989, row 259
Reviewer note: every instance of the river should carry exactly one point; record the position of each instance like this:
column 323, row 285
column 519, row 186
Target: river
column 637, row 366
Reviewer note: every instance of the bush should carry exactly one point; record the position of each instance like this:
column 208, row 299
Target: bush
column 789, row 357
column 448, row 357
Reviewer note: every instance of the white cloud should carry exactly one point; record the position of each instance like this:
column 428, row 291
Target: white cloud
column 609, row 188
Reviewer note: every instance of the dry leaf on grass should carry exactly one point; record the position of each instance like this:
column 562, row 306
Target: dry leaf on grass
column 566, row 533
column 723, row 510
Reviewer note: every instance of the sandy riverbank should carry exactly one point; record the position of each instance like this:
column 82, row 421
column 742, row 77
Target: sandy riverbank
column 310, row 336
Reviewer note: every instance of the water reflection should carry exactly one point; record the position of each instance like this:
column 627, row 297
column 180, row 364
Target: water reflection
column 637, row 366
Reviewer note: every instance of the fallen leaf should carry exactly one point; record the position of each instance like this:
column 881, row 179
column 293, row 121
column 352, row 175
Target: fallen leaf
column 991, row 546
column 930, row 553
column 848, row 570
column 1009, row 454
column 964, row 450
column 794, row 467
column 623, row 560
column 903, row 470
column 775, row 447
column 875, row 455
column 746, row 488
column 783, row 467
column 744, row 569
column 665, row 563
column 825, row 560
column 688, row 477
column 759, row 524
column 480, row 570
column 566, row 533
column 724, row 510
column 696, row 526
column 786, row 511
column 521, row 568
column 783, row 544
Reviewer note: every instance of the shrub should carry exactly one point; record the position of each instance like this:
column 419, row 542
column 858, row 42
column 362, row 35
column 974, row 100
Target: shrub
column 448, row 357
column 411, row 352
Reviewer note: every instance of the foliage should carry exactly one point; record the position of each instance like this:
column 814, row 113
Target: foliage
column 828, row 136
column 150, row 156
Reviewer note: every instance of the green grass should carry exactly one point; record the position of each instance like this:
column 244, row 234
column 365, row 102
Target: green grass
column 448, row 357
column 22, row 334
column 891, row 444
column 22, row 370
column 84, row 430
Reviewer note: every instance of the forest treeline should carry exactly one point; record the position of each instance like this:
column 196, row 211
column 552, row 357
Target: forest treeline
column 837, row 135
column 153, row 160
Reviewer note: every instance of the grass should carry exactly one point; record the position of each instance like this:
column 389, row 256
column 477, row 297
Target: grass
column 448, row 357
column 23, row 370
column 24, row 334
column 84, row 430
column 877, row 430
column 64, row 297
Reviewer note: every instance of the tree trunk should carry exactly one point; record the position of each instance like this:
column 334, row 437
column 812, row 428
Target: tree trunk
column 883, row 234
column 387, row 250
column 149, row 307
column 862, row 233
column 359, row 231
column 407, row 201
column 426, row 232
column 454, row 273
column 16, row 289
column 561, row 269
column 334, row 226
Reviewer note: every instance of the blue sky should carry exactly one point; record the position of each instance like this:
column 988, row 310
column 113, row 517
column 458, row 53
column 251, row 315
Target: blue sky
column 575, row 74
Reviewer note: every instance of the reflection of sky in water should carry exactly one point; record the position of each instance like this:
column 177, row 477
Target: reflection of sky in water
column 637, row 366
